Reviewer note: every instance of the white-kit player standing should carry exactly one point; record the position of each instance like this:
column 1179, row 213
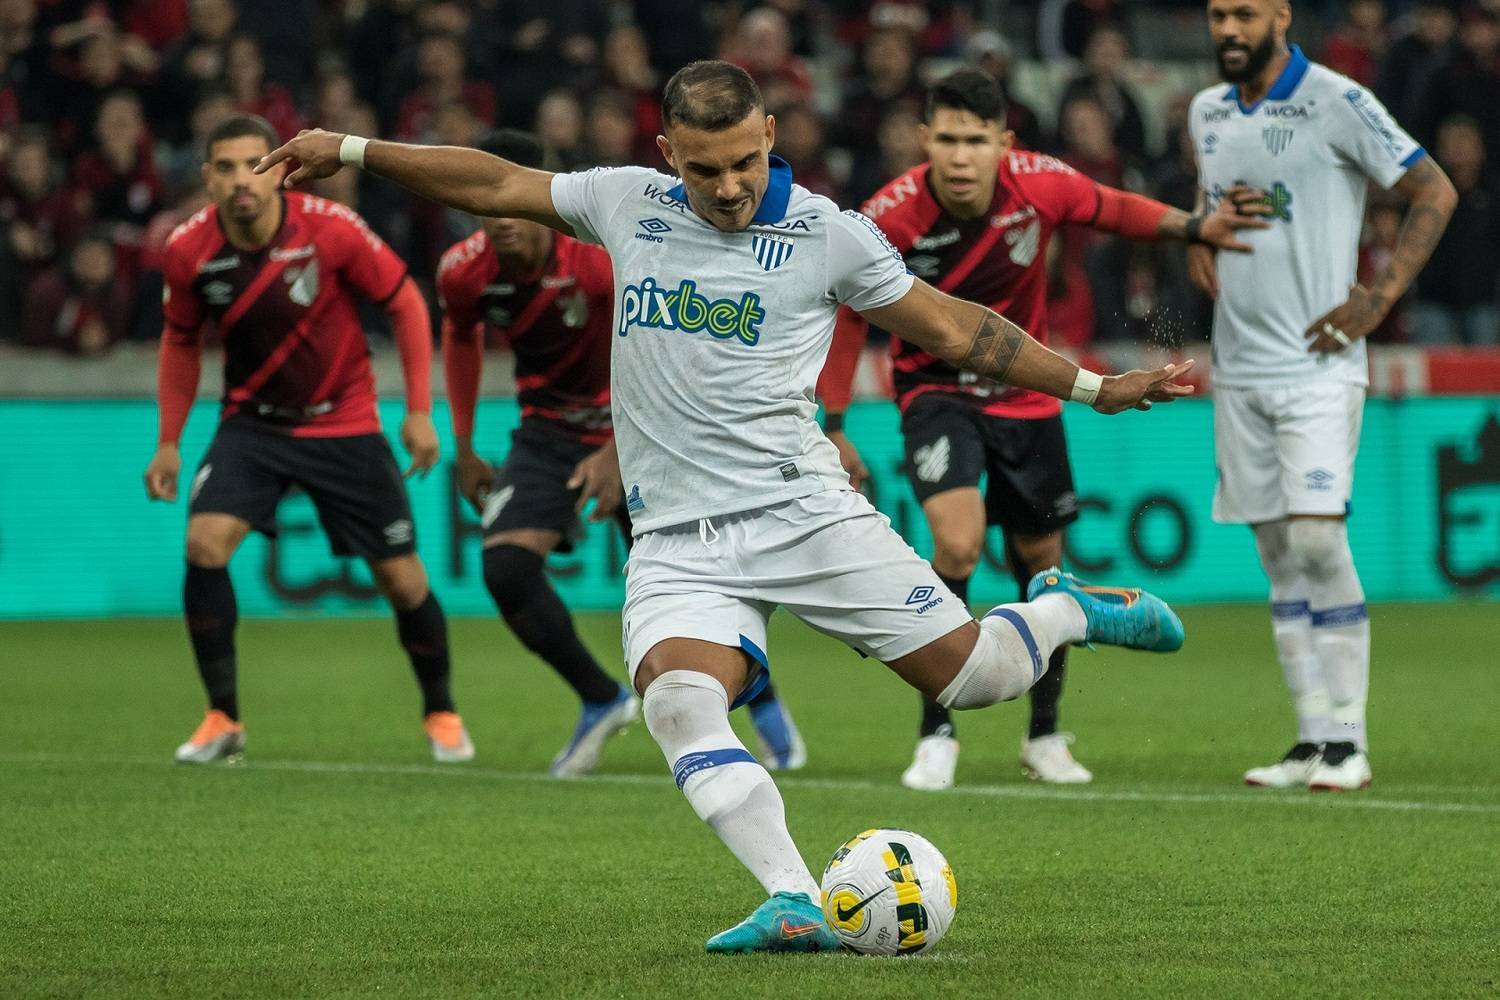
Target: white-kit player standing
column 727, row 279
column 1289, row 365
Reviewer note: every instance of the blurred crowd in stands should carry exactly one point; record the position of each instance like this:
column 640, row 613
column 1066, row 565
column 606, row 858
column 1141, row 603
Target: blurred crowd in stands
column 103, row 104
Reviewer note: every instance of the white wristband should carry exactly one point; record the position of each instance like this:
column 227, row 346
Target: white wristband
column 352, row 151
column 1086, row 386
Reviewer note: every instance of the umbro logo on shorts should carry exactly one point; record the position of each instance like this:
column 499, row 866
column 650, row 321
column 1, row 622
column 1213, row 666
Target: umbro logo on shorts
column 398, row 532
column 923, row 596
column 1319, row 479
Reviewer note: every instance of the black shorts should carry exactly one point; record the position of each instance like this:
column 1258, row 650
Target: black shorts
column 1030, row 488
column 530, row 490
column 353, row 482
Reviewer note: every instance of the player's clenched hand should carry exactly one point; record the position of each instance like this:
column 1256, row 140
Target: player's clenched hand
column 597, row 478
column 1240, row 208
column 850, row 459
column 474, row 477
column 1137, row 390
column 419, row 438
column 1360, row 314
column 316, row 151
column 161, row 474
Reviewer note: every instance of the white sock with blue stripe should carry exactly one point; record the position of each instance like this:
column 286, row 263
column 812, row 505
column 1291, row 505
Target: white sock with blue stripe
column 687, row 713
column 1291, row 627
column 1340, row 621
column 1013, row 651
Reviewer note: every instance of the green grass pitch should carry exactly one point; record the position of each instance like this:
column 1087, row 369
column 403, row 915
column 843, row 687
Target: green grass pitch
column 338, row 861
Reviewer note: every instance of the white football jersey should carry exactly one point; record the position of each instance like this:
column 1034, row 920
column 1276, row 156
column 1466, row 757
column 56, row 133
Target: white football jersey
column 720, row 337
column 1313, row 144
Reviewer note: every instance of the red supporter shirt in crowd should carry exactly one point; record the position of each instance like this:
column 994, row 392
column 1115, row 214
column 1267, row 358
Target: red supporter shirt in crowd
column 997, row 260
column 557, row 321
column 295, row 356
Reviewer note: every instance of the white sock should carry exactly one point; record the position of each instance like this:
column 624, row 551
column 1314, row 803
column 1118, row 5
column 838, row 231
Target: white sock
column 1291, row 626
column 1014, row 648
column 688, row 715
column 1340, row 622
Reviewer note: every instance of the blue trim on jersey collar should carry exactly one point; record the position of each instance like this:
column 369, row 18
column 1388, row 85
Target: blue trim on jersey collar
column 778, row 193
column 1283, row 88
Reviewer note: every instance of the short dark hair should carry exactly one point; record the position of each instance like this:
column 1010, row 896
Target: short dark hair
column 971, row 90
column 237, row 126
column 711, row 95
column 520, row 148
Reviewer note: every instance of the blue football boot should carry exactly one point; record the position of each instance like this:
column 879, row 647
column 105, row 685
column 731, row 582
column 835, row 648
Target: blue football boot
column 596, row 724
column 788, row 921
column 1117, row 616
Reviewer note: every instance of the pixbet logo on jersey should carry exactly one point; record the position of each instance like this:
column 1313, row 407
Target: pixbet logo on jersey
column 650, row 306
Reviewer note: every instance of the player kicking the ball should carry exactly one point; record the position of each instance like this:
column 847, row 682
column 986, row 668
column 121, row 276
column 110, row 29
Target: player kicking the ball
column 1288, row 351
column 975, row 219
column 276, row 275
column 552, row 299
column 727, row 280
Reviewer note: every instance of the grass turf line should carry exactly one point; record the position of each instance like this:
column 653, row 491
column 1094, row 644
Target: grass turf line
column 123, row 876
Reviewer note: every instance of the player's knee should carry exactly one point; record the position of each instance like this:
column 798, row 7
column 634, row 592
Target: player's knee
column 997, row 670
column 1320, row 545
column 403, row 582
column 957, row 554
column 676, row 703
column 208, row 549
column 1275, row 550
column 512, row 575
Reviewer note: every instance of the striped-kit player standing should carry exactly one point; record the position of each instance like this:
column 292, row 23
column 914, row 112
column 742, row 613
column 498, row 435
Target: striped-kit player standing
column 974, row 220
column 276, row 274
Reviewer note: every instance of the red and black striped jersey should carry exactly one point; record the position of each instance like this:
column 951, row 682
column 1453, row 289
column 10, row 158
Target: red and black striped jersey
column 557, row 321
column 295, row 355
column 997, row 260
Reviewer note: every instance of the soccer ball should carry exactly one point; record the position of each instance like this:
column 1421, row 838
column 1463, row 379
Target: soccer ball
column 889, row 892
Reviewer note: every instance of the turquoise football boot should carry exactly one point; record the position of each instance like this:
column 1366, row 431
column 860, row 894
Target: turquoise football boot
column 788, row 921
column 1117, row 616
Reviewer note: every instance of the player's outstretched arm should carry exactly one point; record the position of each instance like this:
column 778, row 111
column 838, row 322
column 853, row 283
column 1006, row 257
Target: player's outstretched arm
column 465, row 179
column 982, row 341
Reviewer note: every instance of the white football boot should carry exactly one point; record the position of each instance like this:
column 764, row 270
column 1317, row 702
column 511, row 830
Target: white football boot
column 1291, row 771
column 933, row 766
column 1343, row 767
column 1047, row 758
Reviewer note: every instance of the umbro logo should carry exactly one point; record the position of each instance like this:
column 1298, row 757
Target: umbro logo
column 1319, row 479
column 924, row 599
column 653, row 227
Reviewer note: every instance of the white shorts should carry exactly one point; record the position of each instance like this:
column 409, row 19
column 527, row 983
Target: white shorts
column 1285, row 450
column 830, row 558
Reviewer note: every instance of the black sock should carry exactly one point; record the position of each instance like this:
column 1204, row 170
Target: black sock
column 539, row 618
column 1047, row 692
column 209, row 606
column 424, row 636
column 934, row 716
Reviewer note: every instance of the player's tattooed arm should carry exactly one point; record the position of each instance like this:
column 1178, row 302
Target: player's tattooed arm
column 466, row 179
column 982, row 341
column 1433, row 200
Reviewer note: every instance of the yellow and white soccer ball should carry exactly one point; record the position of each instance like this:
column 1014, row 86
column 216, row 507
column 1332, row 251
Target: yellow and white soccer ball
column 889, row 892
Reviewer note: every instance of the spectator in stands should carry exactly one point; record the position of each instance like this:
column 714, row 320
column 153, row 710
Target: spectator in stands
column 1355, row 46
column 627, row 69
column 887, row 83
column 692, row 32
column 559, row 128
column 900, row 148
column 79, row 309
column 117, row 179
column 548, row 44
column 40, row 213
column 98, row 70
column 1468, row 82
column 1424, row 43
column 25, row 72
column 1103, row 80
column 245, row 73
column 197, row 60
column 1064, row 27
column 336, row 100
column 988, row 50
column 441, row 69
column 762, row 44
column 609, row 135
column 1376, row 249
column 1458, row 292
column 183, row 165
column 799, row 141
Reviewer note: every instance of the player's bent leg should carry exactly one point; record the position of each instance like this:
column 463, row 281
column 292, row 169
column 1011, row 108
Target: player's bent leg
column 687, row 686
column 956, row 518
column 1046, row 754
column 423, row 632
column 211, row 613
column 1341, row 638
column 781, row 745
